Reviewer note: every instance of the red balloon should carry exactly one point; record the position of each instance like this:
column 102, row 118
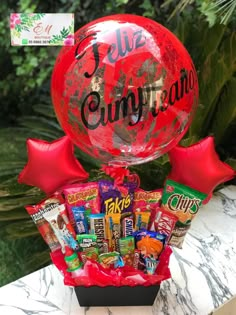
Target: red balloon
column 198, row 166
column 126, row 92
column 51, row 165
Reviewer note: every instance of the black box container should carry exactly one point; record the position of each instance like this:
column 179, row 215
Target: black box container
column 116, row 296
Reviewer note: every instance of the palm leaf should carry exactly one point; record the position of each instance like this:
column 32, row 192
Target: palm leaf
column 181, row 5
column 40, row 123
column 11, row 188
column 186, row 142
column 45, row 110
column 214, row 73
column 8, row 204
column 17, row 214
column 21, row 229
column 38, row 260
column 231, row 162
column 21, row 256
column 223, row 8
column 225, row 113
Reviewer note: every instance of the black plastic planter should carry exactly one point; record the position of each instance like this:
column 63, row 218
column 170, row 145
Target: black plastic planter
column 116, row 296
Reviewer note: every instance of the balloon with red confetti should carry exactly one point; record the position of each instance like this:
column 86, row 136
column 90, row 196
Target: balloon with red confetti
column 126, row 92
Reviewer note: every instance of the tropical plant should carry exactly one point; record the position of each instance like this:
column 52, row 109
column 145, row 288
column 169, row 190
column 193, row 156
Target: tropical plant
column 214, row 10
column 27, row 110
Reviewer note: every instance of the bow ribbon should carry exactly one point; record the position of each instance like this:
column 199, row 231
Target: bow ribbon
column 119, row 174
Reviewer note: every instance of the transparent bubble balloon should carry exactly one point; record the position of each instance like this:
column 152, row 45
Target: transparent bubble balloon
column 127, row 91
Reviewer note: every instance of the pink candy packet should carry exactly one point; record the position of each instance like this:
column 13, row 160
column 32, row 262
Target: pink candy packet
column 82, row 195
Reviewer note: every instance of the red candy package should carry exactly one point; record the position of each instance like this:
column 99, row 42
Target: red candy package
column 164, row 222
column 145, row 200
column 36, row 212
column 82, row 195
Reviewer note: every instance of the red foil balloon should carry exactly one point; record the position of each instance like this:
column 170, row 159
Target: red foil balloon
column 126, row 92
column 51, row 165
column 199, row 167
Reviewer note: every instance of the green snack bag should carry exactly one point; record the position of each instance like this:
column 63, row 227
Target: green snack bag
column 127, row 247
column 111, row 259
column 88, row 245
column 72, row 262
column 184, row 202
column 87, row 213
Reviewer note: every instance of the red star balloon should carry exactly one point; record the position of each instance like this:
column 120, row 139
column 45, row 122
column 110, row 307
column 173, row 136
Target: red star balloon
column 51, row 165
column 198, row 166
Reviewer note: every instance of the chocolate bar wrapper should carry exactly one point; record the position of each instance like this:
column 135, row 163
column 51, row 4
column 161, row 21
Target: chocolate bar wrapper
column 97, row 227
column 113, row 230
column 127, row 226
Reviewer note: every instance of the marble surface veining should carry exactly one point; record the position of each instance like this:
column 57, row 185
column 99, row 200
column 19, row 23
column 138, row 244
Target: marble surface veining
column 203, row 274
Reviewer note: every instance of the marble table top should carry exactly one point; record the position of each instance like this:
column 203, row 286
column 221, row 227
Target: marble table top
column 203, row 274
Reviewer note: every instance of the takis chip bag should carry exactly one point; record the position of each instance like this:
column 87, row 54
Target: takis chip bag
column 36, row 212
column 82, row 195
column 113, row 200
column 145, row 200
column 184, row 202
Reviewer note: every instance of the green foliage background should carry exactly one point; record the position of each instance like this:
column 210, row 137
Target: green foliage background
column 204, row 27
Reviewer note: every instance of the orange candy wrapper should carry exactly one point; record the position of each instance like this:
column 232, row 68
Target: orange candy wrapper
column 145, row 200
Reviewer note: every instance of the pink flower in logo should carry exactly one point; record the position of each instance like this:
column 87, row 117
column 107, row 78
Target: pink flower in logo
column 14, row 20
column 69, row 41
column 14, row 17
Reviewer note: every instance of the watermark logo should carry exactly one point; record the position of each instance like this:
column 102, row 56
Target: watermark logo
column 42, row 29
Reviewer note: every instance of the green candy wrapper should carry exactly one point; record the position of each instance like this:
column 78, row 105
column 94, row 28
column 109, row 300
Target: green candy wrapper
column 184, row 202
column 127, row 247
column 88, row 246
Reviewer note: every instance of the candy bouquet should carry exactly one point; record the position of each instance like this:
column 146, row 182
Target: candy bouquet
column 125, row 93
column 101, row 233
column 110, row 232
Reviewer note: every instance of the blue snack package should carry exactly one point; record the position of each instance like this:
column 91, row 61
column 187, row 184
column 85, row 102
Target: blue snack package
column 138, row 235
column 150, row 244
column 151, row 265
column 81, row 225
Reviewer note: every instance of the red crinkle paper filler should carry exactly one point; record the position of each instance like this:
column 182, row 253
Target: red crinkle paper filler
column 93, row 274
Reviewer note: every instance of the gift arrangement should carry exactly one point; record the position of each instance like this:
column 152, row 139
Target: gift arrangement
column 102, row 234
column 125, row 94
